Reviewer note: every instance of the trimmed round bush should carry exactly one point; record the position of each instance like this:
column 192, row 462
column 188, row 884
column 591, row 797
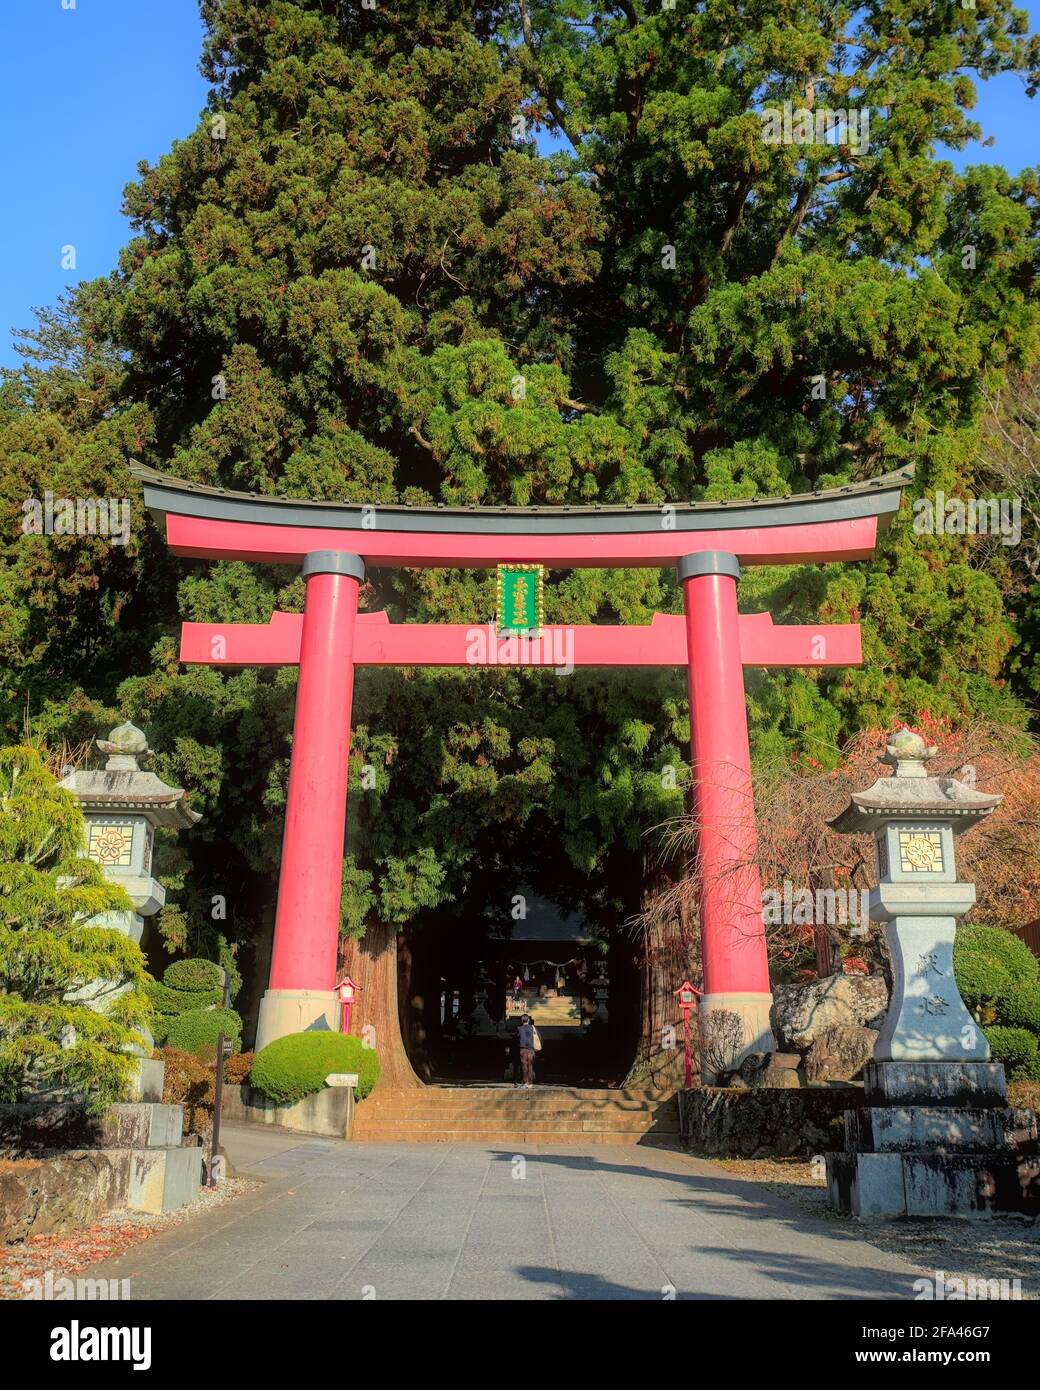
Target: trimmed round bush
column 989, row 962
column 196, row 1031
column 194, row 974
column 1016, row 1048
column 980, row 982
column 295, row 1066
column 1019, row 1007
column 179, row 1001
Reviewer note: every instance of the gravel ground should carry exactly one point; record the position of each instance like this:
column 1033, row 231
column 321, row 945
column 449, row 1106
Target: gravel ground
column 68, row 1255
column 1004, row 1247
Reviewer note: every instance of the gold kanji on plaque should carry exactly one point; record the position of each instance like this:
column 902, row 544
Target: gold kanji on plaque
column 520, row 600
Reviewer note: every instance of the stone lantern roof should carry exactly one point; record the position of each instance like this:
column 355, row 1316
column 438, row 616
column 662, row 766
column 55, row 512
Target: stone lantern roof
column 122, row 786
column 910, row 794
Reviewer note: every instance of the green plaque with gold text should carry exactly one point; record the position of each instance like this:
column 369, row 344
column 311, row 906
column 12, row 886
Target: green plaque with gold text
column 520, row 600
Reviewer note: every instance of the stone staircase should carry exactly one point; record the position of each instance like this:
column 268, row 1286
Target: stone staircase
column 509, row 1115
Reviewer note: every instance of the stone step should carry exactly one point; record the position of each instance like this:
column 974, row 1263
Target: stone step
column 501, row 1114
column 391, row 1134
column 504, row 1100
column 936, row 1129
column 439, row 1094
column 571, row 1122
column 519, row 1108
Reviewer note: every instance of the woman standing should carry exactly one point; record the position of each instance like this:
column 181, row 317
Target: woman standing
column 527, row 1037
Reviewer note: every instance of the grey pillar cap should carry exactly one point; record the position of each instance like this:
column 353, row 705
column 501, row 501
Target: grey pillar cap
column 334, row 562
column 709, row 562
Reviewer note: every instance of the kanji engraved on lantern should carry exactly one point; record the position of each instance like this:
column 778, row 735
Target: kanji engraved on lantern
column 934, row 1005
column 928, row 962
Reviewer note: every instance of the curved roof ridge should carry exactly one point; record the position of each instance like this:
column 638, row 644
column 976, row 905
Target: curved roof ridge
column 877, row 489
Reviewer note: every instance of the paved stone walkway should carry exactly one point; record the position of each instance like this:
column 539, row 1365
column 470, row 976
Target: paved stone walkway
column 467, row 1221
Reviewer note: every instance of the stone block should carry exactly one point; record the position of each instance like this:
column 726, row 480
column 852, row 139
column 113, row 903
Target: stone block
column 915, row 1184
column 777, row 1079
column 37, row 1128
column 786, row 1061
column 971, row 1184
column 148, row 1082
column 50, row 1196
column 972, row 1085
column 764, row 1123
column 937, row 1129
column 328, row 1112
column 866, row 1184
column 163, row 1180
column 143, row 1126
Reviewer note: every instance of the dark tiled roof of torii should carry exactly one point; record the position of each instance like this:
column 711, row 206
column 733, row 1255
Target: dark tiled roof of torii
column 875, row 497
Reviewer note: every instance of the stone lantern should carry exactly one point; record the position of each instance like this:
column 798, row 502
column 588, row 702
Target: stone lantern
column 914, row 819
column 935, row 1135
column 123, row 805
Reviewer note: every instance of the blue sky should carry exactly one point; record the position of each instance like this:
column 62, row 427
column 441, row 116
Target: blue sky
column 89, row 91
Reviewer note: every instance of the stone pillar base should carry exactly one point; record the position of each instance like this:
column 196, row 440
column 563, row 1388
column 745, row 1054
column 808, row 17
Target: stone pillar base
column 935, row 1139
column 285, row 1011
column 740, row 1026
column 895, row 1185
column 935, row 1083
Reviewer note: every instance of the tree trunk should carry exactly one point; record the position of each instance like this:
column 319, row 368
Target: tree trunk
column 372, row 964
column 666, row 963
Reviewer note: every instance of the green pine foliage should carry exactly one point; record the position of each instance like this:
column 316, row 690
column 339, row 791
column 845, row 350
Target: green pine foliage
column 51, row 945
column 360, row 278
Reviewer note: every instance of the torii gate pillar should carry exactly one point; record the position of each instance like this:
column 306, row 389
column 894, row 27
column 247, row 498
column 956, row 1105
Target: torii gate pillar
column 306, row 929
column 733, row 945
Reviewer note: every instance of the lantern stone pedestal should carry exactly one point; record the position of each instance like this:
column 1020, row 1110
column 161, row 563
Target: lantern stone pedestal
column 936, row 1136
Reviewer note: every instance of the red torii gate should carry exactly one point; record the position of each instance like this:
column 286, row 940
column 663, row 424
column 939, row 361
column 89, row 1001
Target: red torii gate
column 706, row 541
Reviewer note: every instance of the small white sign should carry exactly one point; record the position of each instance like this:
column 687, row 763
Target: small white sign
column 342, row 1078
